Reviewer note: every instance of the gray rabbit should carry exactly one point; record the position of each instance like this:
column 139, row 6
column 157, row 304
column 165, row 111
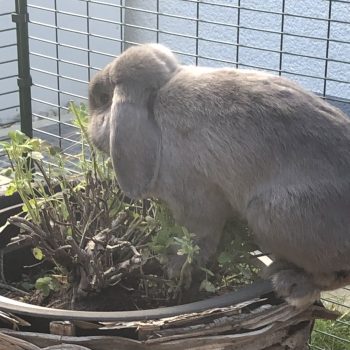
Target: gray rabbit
column 219, row 143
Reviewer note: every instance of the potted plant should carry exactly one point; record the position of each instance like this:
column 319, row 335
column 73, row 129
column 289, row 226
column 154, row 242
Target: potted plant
column 96, row 260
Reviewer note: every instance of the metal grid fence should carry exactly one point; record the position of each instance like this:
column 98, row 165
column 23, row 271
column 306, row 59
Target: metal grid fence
column 9, row 101
column 69, row 40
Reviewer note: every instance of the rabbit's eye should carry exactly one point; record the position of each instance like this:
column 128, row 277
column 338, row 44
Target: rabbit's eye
column 104, row 98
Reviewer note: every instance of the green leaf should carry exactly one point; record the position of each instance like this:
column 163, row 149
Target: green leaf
column 135, row 215
column 43, row 285
column 27, row 286
column 69, row 232
column 186, row 232
column 207, row 286
column 38, row 254
column 32, row 203
column 42, row 281
column 54, row 150
column 6, row 172
column 224, row 258
column 79, row 187
column 210, row 273
column 24, row 149
column 11, row 189
column 181, row 252
column 245, row 271
column 36, row 144
column 180, row 241
column 36, row 155
column 45, row 290
column 17, row 136
column 47, row 284
column 54, row 285
column 5, row 144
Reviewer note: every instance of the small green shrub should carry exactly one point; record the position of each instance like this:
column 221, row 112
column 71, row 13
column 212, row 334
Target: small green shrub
column 74, row 213
column 76, row 217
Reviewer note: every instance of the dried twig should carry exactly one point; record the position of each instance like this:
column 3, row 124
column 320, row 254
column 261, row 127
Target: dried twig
column 2, row 274
column 12, row 289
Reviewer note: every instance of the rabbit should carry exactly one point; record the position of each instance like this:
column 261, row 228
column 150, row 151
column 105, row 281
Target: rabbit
column 217, row 143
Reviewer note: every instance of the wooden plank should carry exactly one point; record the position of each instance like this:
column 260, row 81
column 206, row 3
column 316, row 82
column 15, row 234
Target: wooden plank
column 8, row 342
column 264, row 326
column 94, row 342
column 62, row 328
column 66, row 347
column 185, row 319
column 260, row 339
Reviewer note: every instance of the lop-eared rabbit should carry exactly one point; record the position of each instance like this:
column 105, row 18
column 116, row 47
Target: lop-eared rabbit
column 221, row 143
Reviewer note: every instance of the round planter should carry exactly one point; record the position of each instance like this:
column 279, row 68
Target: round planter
column 251, row 318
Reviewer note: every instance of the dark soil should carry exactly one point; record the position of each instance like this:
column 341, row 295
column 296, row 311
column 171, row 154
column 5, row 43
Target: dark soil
column 131, row 294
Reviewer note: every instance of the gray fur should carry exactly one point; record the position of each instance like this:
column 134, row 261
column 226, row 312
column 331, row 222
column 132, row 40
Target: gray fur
column 213, row 143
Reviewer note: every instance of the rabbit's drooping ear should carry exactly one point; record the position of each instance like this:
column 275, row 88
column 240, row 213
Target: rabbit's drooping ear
column 135, row 138
column 135, row 141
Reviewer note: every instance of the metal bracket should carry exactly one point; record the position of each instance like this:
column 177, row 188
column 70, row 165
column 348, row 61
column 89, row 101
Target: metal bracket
column 24, row 82
column 20, row 18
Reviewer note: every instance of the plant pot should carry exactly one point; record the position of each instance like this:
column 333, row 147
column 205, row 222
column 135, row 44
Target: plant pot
column 240, row 320
column 250, row 318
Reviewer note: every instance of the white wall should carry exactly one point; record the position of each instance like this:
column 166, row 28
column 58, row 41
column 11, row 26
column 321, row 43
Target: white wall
column 209, row 52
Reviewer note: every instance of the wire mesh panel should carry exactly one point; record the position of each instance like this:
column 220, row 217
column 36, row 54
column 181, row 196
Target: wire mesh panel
column 9, row 98
column 306, row 41
column 69, row 40
column 9, row 102
column 334, row 335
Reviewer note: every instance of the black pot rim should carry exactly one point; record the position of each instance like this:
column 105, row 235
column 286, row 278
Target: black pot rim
column 252, row 291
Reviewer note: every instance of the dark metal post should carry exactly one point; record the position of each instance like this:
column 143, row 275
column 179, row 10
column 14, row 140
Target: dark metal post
column 327, row 49
column 21, row 18
column 158, row 9
column 58, row 80
column 238, row 30
column 282, row 36
column 197, row 32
